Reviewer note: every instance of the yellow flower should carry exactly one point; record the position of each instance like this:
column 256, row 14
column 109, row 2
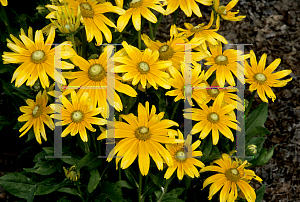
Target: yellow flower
column 183, row 157
column 200, row 30
column 225, row 13
column 92, row 17
column 36, row 115
column 72, row 173
column 178, row 82
column 261, row 78
column 188, row 7
column 37, row 58
column 225, row 63
column 137, row 9
column 143, row 67
column 172, row 50
column 79, row 115
column 3, row 2
column 94, row 74
column 231, row 176
column 142, row 136
column 214, row 119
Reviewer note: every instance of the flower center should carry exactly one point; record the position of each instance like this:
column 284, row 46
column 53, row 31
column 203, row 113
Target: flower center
column 214, row 92
column 143, row 67
column 77, row 116
column 142, row 133
column 187, row 90
column 165, row 52
column 37, row 111
column 232, row 174
column 135, row 3
column 222, row 10
column 96, row 72
column 221, row 60
column 38, row 56
column 197, row 28
column 260, row 78
column 86, row 10
column 213, row 117
column 180, row 156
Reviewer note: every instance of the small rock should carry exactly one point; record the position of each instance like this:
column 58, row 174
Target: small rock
column 283, row 27
column 270, row 35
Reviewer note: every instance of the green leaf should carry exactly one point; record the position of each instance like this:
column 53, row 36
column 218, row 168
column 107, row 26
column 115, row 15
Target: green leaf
column 31, row 135
column 17, row 184
column 260, row 193
column 260, row 158
column 90, row 160
column 110, row 191
column 174, row 193
column 257, row 117
column 207, row 150
column 188, row 181
column 156, row 180
column 31, row 194
column 69, row 191
column 124, row 184
column 267, row 157
column 172, row 200
column 94, row 180
column 46, row 167
column 215, row 154
column 47, row 186
column 131, row 177
column 259, row 130
column 5, row 68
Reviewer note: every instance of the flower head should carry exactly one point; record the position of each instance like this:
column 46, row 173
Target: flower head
column 183, row 155
column 37, row 58
column 231, row 176
column 36, row 114
column 142, row 136
column 3, row 2
column 188, row 7
column 78, row 115
column 225, row 13
column 261, row 78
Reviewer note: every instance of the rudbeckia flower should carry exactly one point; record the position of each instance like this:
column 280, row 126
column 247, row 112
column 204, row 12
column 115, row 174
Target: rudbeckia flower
column 143, row 67
column 78, row 115
column 213, row 119
column 224, row 63
column 142, row 136
column 188, row 92
column 261, row 78
column 231, row 176
column 225, row 13
column 187, row 6
column 137, row 9
column 3, row 2
column 184, row 157
column 37, row 58
column 36, row 114
column 93, row 17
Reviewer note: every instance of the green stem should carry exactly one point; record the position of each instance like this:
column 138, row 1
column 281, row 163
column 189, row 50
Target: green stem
column 120, row 174
column 83, row 41
column 151, row 30
column 73, row 42
column 79, row 190
column 139, row 40
column 174, row 110
column 165, row 189
column 250, row 103
column 175, row 16
column 140, row 186
column 4, row 18
column 94, row 143
column 86, row 147
column 157, row 24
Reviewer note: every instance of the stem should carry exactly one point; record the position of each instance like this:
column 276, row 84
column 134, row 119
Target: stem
column 79, row 190
column 120, row 174
column 140, row 186
column 175, row 16
column 250, row 103
column 157, row 24
column 83, row 41
column 139, row 40
column 164, row 191
column 86, row 147
column 5, row 20
column 174, row 110
column 73, row 42
column 94, row 143
column 151, row 30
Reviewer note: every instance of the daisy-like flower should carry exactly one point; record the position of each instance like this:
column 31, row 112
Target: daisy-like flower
column 78, row 114
column 200, row 30
column 94, row 74
column 261, row 78
column 3, row 2
column 37, row 58
column 183, row 155
column 183, row 91
column 214, row 119
column 225, row 63
column 36, row 114
column 142, row 136
column 92, row 17
column 225, row 13
column 231, row 176
column 211, row 93
column 188, row 7
column 137, row 9
column 143, row 67
column 172, row 50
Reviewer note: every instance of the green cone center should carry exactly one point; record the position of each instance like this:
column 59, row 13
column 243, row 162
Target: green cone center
column 232, row 174
column 165, row 52
column 38, row 56
column 260, row 78
column 96, row 72
column 180, row 156
column 37, row 111
column 86, row 10
column 77, row 116
column 143, row 67
column 142, row 133
column 213, row 117
column 135, row 3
